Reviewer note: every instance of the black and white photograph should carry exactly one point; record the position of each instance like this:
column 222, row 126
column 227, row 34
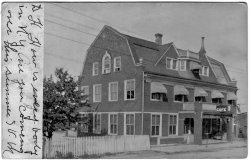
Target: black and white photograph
column 124, row 80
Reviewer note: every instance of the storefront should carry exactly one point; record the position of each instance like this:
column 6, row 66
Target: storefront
column 217, row 124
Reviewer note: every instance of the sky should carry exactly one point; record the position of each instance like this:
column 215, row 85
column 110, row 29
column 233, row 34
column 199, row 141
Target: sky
column 71, row 27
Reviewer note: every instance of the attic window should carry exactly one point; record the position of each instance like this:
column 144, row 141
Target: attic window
column 106, row 63
column 204, row 71
column 171, row 63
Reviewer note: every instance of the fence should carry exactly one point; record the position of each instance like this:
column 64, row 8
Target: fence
column 80, row 146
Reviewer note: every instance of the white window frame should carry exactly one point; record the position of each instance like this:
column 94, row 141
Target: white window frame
column 103, row 63
column 160, row 126
column 125, row 89
column 177, row 124
column 87, row 88
column 203, row 71
column 95, row 64
column 115, row 66
column 125, row 124
column 110, row 83
column 94, row 95
column 185, row 65
column 109, row 124
column 172, row 63
column 94, row 129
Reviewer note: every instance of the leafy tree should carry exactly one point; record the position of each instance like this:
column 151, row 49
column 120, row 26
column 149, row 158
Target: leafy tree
column 61, row 98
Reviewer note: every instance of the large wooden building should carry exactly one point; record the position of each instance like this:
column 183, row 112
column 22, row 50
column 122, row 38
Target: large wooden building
column 157, row 89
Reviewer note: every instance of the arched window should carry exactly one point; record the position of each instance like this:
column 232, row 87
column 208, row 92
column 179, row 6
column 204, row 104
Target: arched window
column 106, row 63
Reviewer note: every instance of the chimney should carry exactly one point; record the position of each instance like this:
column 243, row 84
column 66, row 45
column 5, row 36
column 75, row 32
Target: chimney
column 158, row 38
column 202, row 50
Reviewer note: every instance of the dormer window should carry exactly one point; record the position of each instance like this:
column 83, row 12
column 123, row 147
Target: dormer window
column 204, row 71
column 106, row 63
column 182, row 65
column 171, row 63
column 117, row 64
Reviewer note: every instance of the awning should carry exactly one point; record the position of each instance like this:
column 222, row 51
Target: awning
column 231, row 96
column 199, row 92
column 157, row 87
column 217, row 94
column 194, row 65
column 180, row 90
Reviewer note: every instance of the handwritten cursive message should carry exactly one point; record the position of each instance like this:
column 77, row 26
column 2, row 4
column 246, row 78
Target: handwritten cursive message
column 22, row 79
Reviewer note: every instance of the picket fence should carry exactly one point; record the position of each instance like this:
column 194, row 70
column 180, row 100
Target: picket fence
column 80, row 146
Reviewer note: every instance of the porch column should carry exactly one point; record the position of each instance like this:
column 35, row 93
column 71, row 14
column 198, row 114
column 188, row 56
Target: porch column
column 229, row 129
column 198, row 124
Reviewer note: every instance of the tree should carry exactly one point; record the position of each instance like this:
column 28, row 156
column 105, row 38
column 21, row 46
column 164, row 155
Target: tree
column 61, row 98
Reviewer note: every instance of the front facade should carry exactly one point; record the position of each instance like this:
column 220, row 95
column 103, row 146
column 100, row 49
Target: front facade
column 142, row 87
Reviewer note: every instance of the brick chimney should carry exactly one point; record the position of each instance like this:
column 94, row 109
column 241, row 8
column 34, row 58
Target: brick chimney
column 202, row 50
column 158, row 38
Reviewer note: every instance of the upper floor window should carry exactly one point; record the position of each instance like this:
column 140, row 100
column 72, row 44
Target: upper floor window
column 159, row 97
column 117, row 64
column 95, row 69
column 200, row 99
column 181, row 98
column 129, row 89
column 97, row 93
column 171, row 63
column 106, row 63
column 204, row 71
column 113, row 91
column 217, row 100
column 232, row 102
column 182, row 65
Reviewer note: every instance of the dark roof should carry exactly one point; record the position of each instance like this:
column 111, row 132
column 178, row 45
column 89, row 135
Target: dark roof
column 151, row 52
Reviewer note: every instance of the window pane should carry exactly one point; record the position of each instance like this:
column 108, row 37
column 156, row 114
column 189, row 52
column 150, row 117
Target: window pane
column 153, row 130
column 157, row 130
column 153, row 119
column 157, row 120
column 168, row 63
column 174, row 129
column 174, row 63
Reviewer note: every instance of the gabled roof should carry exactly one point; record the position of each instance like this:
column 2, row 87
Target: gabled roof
column 152, row 52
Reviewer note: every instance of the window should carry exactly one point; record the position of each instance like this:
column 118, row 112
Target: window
column 231, row 102
column 117, row 64
column 155, row 123
column 159, row 97
column 129, row 89
column 181, row 98
column 106, row 63
column 217, row 100
column 83, row 121
column 200, row 99
column 175, row 66
column 84, row 90
column 97, row 93
column 171, row 63
column 204, row 71
column 97, row 123
column 182, row 65
column 130, row 124
column 113, row 119
column 172, row 124
column 168, row 61
column 95, row 69
column 113, row 91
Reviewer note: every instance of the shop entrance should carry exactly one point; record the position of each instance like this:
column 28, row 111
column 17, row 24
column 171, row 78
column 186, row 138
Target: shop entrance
column 214, row 128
